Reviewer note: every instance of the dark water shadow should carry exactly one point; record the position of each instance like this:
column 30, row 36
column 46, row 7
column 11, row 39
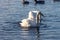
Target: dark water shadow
column 56, row 0
column 24, row 5
column 38, row 4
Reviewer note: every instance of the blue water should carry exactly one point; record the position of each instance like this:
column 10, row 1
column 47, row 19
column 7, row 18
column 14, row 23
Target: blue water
column 13, row 11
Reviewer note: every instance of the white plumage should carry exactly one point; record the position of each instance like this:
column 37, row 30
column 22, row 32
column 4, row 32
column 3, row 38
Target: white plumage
column 32, row 20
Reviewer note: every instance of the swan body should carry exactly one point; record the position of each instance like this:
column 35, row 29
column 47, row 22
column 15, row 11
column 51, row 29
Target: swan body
column 32, row 20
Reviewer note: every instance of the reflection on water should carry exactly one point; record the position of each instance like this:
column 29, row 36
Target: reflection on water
column 11, row 31
column 34, row 32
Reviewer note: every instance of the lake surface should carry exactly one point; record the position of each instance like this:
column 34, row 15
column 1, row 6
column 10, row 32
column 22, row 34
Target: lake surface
column 13, row 11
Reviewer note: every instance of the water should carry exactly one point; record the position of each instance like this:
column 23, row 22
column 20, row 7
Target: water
column 13, row 11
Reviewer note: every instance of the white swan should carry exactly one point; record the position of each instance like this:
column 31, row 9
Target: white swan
column 32, row 20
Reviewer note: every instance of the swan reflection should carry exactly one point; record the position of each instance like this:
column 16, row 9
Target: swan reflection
column 30, row 33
